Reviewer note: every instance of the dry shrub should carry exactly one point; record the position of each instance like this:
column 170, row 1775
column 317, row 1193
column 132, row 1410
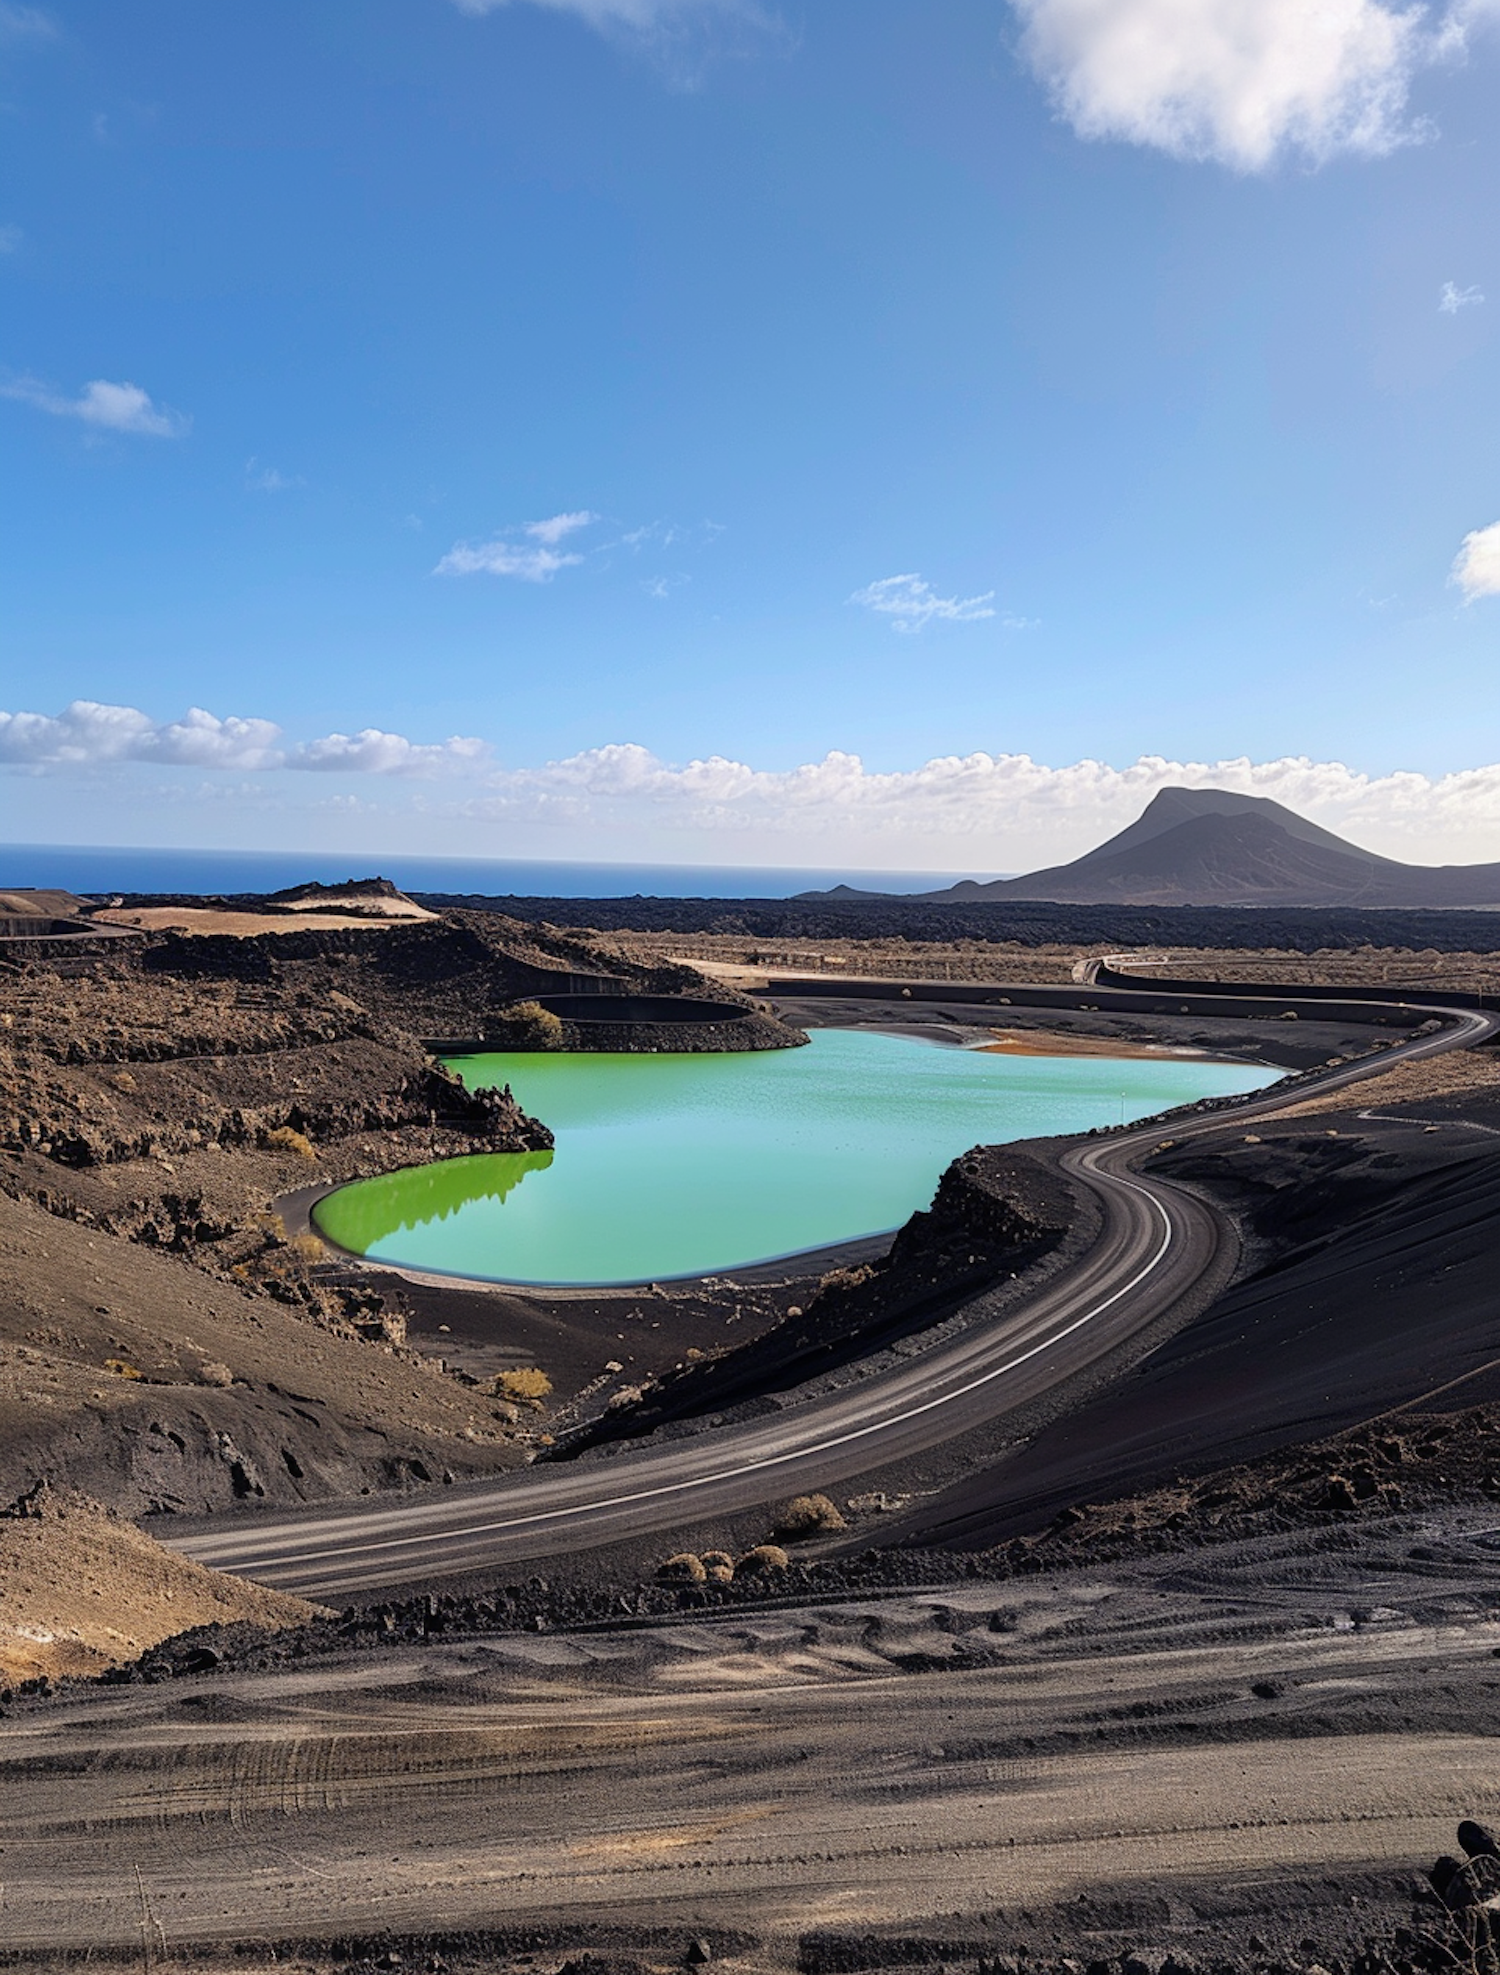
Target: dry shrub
column 764, row 1557
column 684, row 1568
column 122, row 1368
column 528, row 1386
column 846, row 1278
column 287, row 1140
column 213, row 1373
column 719, row 1565
column 306, row 1247
column 528, row 1025
column 807, row 1515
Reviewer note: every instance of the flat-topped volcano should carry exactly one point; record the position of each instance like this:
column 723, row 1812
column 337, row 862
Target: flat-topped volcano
column 1214, row 847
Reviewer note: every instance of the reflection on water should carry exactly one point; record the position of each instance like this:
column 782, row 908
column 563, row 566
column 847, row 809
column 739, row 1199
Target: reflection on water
column 359, row 1217
column 685, row 1165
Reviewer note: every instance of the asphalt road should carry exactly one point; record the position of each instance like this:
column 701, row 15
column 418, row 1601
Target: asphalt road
column 1156, row 1243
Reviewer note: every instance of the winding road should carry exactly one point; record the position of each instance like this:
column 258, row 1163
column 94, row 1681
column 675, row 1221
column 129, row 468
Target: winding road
column 1156, row 1244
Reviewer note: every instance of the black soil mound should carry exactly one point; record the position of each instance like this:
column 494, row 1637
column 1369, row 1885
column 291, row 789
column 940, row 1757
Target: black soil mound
column 1378, row 1252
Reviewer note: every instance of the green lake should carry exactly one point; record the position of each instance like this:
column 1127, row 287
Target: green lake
column 690, row 1165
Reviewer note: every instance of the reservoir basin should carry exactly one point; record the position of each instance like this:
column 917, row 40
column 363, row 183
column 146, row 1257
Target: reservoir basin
column 684, row 1165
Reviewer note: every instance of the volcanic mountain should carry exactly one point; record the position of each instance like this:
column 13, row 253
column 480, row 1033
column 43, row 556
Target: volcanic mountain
column 1213, row 847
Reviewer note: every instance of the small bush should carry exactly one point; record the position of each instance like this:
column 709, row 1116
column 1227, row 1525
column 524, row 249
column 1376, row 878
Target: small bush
column 764, row 1557
column 213, row 1373
column 806, row 1515
column 287, row 1140
column 526, row 1387
column 528, row 1025
column 682, row 1569
column 719, row 1565
column 122, row 1368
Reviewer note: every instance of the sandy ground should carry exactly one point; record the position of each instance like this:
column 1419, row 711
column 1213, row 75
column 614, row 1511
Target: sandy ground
column 82, row 1590
column 1474, row 1073
column 293, row 919
column 1301, row 1726
column 1054, row 1042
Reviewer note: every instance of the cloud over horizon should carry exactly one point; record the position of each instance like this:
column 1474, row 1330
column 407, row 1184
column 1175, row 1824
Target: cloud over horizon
column 109, row 407
column 1242, row 82
column 986, row 811
column 88, row 734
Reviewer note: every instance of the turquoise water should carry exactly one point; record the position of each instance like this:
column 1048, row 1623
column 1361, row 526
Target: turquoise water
column 689, row 1165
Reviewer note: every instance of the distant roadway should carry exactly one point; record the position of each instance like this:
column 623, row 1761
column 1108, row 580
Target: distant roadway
column 1156, row 1244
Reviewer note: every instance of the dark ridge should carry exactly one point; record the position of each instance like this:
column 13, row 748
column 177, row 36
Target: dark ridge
column 1027, row 923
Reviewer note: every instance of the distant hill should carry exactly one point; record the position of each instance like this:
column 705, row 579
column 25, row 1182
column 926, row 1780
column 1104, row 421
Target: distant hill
column 1213, row 847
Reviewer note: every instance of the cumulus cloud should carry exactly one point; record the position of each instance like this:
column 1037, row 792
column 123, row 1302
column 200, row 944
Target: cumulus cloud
column 1476, row 568
column 1452, row 298
column 995, row 811
column 911, row 603
column 88, row 734
column 108, row 407
column 981, row 811
column 1242, row 81
column 371, row 752
column 535, row 558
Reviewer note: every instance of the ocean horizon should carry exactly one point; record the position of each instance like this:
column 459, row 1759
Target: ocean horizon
column 94, row 869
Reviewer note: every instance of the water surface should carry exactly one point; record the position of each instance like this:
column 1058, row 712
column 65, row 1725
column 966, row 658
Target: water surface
column 688, row 1165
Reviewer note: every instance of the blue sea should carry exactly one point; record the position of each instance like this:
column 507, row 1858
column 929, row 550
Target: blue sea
column 95, row 869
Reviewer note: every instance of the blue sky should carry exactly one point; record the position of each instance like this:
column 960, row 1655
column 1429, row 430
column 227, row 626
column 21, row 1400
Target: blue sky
column 849, row 431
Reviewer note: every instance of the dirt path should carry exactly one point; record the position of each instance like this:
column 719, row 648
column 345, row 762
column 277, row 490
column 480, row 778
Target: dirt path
column 852, row 1766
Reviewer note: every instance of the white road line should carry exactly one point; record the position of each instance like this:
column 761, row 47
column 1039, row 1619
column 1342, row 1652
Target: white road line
column 1470, row 1024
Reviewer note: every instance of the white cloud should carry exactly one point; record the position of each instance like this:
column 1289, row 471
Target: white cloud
column 553, row 530
column 984, row 811
column 1241, row 81
column 537, row 559
column 88, row 734
column 1476, row 567
column 911, row 603
column 1452, row 298
column 202, row 740
column 980, row 811
column 501, row 558
column 111, row 407
column 371, row 752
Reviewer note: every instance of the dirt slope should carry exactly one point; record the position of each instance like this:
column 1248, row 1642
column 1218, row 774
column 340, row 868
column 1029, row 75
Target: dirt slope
column 82, row 1590
column 155, row 1386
